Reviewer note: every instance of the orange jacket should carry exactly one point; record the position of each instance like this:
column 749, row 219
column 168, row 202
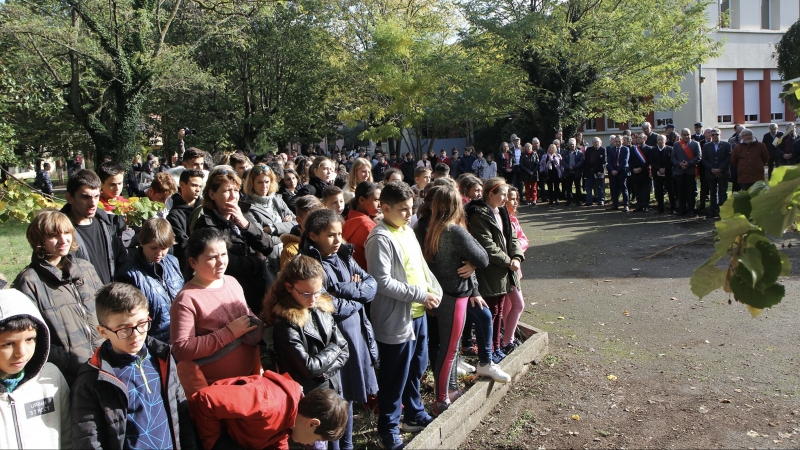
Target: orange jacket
column 355, row 231
column 258, row 411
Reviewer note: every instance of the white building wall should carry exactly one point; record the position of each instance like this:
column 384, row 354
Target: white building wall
column 746, row 46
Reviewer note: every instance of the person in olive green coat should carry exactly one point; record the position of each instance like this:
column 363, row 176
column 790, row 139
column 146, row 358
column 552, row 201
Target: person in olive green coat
column 490, row 225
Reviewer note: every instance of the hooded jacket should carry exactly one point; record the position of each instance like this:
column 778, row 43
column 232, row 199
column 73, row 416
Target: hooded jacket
column 100, row 402
column 36, row 413
column 309, row 346
column 390, row 312
column 500, row 243
column 349, row 297
column 66, row 299
column 291, row 245
column 160, row 289
column 256, row 411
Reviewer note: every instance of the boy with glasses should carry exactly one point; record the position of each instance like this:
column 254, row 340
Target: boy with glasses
column 128, row 394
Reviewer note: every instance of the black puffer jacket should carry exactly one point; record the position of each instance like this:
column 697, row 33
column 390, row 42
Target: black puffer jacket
column 249, row 269
column 308, row 344
column 65, row 298
column 529, row 167
column 179, row 217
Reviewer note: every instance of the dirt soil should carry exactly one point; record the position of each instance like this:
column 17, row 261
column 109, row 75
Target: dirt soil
column 636, row 360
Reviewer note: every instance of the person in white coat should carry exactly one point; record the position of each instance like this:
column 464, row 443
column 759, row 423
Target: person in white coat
column 34, row 396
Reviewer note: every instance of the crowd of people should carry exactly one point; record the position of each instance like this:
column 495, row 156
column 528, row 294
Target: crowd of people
column 347, row 276
column 639, row 165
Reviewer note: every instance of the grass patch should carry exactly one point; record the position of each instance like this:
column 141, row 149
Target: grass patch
column 551, row 360
column 519, row 424
column 16, row 253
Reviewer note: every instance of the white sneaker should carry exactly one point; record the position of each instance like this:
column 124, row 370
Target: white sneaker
column 493, row 371
column 464, row 367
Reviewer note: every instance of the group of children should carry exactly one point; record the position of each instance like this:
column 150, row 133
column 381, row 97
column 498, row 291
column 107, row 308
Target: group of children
column 357, row 311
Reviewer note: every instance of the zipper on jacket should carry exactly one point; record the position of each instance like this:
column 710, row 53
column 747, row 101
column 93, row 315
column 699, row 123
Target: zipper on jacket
column 16, row 423
column 82, row 308
column 139, row 366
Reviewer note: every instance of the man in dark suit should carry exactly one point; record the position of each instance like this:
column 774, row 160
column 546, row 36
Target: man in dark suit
column 649, row 135
column 686, row 156
column 703, row 181
column 618, row 172
column 594, row 172
column 716, row 162
column 572, row 161
column 661, row 164
column 640, row 172
column 775, row 154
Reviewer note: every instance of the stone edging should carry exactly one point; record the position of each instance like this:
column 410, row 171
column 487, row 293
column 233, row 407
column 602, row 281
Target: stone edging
column 452, row 428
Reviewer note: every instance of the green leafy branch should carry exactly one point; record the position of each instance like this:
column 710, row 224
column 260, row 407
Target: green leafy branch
column 754, row 262
column 18, row 202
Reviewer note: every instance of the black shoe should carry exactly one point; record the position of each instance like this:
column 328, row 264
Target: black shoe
column 645, row 210
column 672, row 212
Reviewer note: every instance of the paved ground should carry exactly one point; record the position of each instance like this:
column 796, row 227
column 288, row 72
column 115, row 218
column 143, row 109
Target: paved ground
column 689, row 373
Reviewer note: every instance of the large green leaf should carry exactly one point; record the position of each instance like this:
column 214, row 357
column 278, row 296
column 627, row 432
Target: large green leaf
column 774, row 211
column 745, row 293
column 706, row 279
column 784, row 173
column 771, row 263
column 728, row 230
column 750, row 260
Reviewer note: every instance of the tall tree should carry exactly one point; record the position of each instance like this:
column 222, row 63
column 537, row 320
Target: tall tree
column 107, row 57
column 577, row 59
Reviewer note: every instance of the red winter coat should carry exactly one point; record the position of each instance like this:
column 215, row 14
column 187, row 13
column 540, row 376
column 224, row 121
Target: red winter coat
column 258, row 411
column 355, row 231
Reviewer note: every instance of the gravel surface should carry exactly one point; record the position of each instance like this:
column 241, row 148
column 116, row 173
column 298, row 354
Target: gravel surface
column 636, row 360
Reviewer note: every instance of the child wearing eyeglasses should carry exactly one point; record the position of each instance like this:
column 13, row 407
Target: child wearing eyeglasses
column 128, row 394
column 351, row 289
column 308, row 344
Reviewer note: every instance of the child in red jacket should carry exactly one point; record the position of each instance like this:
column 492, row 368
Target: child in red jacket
column 263, row 411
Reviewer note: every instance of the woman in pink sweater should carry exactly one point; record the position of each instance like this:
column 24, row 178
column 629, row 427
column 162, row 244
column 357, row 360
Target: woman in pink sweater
column 208, row 318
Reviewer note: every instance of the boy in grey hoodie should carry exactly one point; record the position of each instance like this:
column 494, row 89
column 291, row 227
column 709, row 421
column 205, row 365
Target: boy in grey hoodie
column 406, row 287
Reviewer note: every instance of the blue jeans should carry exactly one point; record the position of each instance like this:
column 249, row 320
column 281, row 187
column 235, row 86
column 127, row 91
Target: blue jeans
column 595, row 186
column 482, row 318
column 402, row 366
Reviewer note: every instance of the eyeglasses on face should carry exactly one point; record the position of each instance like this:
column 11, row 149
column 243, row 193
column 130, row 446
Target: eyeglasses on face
column 308, row 295
column 126, row 332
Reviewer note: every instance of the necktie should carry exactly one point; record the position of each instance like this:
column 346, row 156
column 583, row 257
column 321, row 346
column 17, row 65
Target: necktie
column 617, row 164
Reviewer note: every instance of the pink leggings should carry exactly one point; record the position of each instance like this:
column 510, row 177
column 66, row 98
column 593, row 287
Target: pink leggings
column 450, row 327
column 513, row 305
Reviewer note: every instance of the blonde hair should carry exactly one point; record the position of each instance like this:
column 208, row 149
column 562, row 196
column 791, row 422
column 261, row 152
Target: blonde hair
column 46, row 224
column 352, row 180
column 552, row 147
column 256, row 172
column 221, row 175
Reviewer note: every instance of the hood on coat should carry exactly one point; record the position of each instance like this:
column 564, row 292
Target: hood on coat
column 286, row 308
column 289, row 238
column 14, row 303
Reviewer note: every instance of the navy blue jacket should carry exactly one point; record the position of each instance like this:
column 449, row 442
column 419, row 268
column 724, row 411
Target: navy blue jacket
column 579, row 161
column 619, row 164
column 160, row 290
column 594, row 161
column 719, row 159
column 348, row 297
column 635, row 163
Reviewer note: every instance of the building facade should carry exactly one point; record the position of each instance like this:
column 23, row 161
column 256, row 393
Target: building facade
column 741, row 85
